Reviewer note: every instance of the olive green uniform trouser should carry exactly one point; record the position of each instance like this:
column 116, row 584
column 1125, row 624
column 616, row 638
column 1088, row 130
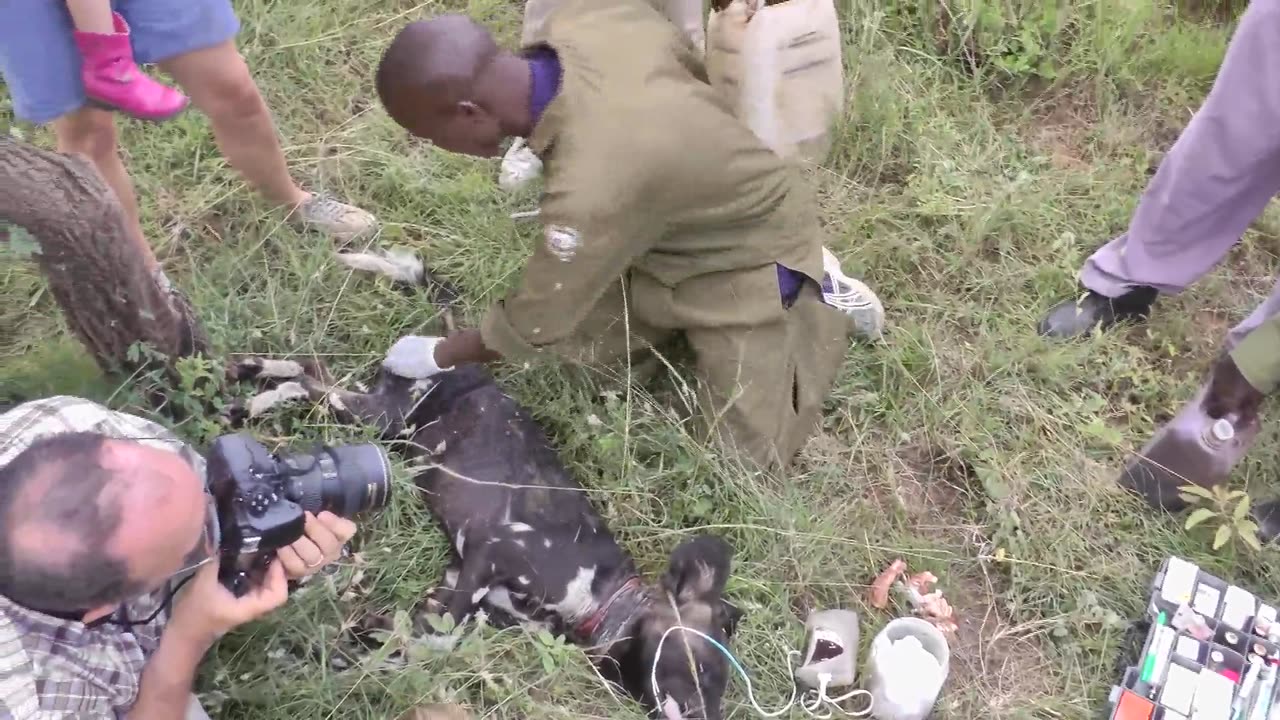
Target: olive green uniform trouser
column 1257, row 354
column 760, row 389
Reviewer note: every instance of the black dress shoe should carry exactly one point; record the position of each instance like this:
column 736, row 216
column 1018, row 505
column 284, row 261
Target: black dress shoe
column 1074, row 318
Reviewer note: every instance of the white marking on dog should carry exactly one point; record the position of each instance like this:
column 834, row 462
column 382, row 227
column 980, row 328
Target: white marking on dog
column 522, row 580
column 335, row 400
column 519, row 527
column 500, row 598
column 280, row 369
column 458, row 542
column 451, row 578
column 546, row 542
column 578, row 601
column 478, row 595
column 519, row 542
column 269, row 399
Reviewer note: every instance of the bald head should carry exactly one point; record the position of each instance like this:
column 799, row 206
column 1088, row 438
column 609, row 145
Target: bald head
column 87, row 522
column 446, row 80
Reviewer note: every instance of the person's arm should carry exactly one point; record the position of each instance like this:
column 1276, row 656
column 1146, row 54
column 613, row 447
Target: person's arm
column 597, row 220
column 167, row 679
column 590, row 238
column 203, row 612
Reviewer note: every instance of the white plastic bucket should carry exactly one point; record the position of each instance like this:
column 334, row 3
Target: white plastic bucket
column 781, row 68
column 901, row 696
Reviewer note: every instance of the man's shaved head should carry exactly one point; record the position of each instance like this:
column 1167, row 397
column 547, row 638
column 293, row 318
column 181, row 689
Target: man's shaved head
column 441, row 80
column 87, row 521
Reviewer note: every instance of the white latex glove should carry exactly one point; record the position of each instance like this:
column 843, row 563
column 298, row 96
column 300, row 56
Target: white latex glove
column 520, row 166
column 414, row 356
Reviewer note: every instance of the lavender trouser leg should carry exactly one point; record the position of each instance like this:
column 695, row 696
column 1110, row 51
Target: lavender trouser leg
column 1214, row 182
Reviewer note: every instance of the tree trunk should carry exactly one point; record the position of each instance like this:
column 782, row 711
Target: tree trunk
column 94, row 271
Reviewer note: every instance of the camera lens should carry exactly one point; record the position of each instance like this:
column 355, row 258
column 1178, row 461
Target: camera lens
column 343, row 480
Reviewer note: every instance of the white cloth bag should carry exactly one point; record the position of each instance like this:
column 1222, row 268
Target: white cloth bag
column 781, row 66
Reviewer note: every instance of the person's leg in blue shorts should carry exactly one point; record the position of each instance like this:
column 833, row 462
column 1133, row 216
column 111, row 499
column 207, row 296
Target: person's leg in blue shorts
column 194, row 42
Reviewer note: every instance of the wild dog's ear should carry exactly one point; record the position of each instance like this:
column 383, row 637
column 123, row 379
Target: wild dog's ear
column 699, row 568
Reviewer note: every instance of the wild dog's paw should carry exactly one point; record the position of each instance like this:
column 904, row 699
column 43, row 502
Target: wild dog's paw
column 247, row 368
column 283, row 394
column 401, row 266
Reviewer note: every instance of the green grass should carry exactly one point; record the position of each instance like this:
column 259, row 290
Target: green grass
column 965, row 444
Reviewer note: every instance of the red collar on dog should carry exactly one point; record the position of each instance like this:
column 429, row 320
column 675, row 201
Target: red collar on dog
column 587, row 627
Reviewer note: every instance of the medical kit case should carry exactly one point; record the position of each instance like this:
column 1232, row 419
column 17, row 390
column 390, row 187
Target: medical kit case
column 1212, row 653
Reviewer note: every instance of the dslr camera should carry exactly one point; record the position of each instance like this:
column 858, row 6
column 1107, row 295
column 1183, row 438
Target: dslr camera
column 261, row 498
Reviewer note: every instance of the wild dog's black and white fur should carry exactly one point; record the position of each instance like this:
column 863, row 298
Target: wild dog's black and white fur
column 530, row 547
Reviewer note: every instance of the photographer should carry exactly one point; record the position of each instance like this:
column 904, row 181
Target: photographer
column 103, row 515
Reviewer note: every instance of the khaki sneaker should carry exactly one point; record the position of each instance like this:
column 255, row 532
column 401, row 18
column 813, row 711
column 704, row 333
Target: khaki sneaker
column 852, row 298
column 341, row 221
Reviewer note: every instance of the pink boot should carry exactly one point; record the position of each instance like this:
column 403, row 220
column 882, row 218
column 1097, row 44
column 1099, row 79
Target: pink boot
column 112, row 78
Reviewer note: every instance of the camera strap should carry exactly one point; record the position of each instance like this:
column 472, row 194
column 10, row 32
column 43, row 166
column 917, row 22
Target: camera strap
column 120, row 617
column 164, row 605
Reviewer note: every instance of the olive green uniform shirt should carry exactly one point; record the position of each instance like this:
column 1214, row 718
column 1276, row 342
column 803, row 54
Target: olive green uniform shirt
column 662, row 212
column 1258, row 356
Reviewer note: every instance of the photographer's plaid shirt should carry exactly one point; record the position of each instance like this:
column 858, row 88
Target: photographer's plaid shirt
column 54, row 668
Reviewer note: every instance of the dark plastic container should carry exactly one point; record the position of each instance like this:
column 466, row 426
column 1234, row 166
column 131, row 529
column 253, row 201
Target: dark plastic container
column 1191, row 449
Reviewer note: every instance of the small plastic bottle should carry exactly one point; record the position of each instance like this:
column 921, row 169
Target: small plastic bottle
column 1191, row 449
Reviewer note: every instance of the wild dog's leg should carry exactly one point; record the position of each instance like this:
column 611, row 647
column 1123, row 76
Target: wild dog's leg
column 277, row 380
column 405, row 269
column 268, row 372
column 287, row 380
column 481, row 569
column 433, row 602
column 387, row 407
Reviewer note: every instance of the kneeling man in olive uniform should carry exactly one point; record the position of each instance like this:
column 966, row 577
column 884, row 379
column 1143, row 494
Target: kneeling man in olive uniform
column 662, row 214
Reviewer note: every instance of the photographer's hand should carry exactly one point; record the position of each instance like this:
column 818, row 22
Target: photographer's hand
column 326, row 533
column 206, row 610
column 203, row 612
